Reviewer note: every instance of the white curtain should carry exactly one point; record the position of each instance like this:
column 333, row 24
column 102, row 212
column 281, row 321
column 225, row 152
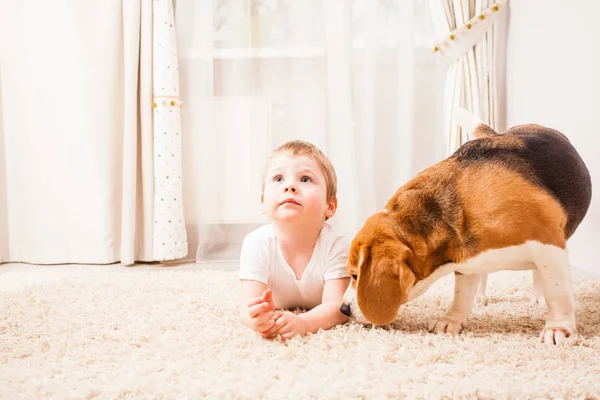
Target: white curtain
column 80, row 176
column 468, row 41
column 353, row 77
column 92, row 126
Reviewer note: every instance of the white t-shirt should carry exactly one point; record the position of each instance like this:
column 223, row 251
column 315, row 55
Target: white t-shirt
column 261, row 260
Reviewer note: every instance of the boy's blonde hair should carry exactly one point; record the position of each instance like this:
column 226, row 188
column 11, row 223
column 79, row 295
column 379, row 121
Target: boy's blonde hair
column 301, row 148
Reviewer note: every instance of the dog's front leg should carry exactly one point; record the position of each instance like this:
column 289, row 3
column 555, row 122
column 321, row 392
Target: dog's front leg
column 553, row 265
column 465, row 288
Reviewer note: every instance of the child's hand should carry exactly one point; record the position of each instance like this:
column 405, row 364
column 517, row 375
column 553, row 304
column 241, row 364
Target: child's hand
column 262, row 312
column 287, row 326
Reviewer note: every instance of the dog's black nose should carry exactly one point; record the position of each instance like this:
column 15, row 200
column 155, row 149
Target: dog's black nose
column 345, row 309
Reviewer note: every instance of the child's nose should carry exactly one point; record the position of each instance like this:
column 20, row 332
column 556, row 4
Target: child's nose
column 290, row 188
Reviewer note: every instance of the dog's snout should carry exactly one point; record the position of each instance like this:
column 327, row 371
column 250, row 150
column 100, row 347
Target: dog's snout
column 345, row 309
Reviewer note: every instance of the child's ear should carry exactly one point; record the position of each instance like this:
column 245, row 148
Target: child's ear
column 331, row 207
column 262, row 198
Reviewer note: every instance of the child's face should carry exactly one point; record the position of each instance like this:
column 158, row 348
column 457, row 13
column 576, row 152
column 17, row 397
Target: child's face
column 295, row 191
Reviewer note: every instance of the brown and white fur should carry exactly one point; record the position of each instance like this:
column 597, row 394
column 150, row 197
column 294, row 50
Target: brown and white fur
column 501, row 202
column 476, row 128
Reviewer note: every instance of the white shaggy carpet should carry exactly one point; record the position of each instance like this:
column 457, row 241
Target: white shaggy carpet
column 111, row 332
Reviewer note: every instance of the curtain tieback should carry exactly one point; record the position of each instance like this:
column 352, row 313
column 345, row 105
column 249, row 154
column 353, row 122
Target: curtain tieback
column 462, row 39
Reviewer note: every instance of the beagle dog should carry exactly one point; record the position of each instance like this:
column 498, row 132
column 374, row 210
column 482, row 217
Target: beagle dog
column 500, row 202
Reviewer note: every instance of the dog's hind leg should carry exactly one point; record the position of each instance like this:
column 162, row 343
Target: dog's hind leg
column 480, row 297
column 552, row 262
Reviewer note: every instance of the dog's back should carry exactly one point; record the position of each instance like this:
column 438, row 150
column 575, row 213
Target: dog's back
column 541, row 155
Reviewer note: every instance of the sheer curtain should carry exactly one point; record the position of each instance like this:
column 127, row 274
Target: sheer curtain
column 82, row 178
column 357, row 78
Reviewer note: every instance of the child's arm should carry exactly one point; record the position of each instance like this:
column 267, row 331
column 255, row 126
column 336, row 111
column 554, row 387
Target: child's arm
column 256, row 308
column 327, row 314
column 324, row 316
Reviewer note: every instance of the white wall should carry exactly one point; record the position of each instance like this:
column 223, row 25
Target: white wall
column 553, row 78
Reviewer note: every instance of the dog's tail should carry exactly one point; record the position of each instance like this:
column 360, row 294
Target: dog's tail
column 474, row 127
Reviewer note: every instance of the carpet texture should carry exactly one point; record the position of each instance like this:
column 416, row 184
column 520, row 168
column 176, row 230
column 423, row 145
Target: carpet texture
column 172, row 333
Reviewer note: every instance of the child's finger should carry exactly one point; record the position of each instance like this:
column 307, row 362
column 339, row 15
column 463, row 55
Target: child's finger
column 261, row 319
column 265, row 326
column 279, row 326
column 259, row 309
column 287, row 335
column 285, row 329
column 254, row 301
column 277, row 318
column 267, row 296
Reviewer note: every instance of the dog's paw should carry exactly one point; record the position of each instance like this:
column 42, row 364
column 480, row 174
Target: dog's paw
column 445, row 325
column 552, row 335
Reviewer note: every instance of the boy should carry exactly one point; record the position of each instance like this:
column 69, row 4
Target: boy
column 296, row 261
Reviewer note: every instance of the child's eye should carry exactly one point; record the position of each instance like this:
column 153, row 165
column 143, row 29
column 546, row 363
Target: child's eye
column 306, row 179
column 277, row 178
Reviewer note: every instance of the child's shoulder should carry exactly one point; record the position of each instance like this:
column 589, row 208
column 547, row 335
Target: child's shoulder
column 332, row 236
column 329, row 231
column 262, row 234
column 258, row 242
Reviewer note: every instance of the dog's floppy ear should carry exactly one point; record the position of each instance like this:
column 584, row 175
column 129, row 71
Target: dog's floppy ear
column 382, row 288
